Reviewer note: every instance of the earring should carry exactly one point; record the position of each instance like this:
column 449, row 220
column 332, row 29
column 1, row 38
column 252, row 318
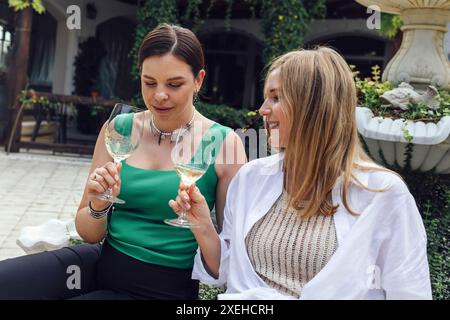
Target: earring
column 195, row 100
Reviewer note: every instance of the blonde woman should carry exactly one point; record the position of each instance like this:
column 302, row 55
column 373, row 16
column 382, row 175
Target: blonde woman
column 319, row 220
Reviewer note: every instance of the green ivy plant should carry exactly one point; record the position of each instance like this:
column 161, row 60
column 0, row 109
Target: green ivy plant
column 191, row 17
column 149, row 15
column 285, row 23
column 230, row 117
column 19, row 5
column 207, row 292
column 432, row 195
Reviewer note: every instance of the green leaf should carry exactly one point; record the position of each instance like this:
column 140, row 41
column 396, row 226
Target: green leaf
column 390, row 24
column 19, row 5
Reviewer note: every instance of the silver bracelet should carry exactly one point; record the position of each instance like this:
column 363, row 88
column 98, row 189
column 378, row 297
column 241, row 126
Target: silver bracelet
column 96, row 214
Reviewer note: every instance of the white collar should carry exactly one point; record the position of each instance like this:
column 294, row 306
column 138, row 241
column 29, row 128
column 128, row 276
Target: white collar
column 272, row 166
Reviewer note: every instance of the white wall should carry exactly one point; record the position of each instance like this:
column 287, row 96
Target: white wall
column 326, row 28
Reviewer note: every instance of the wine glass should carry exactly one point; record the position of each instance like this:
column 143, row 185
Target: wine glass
column 191, row 160
column 123, row 133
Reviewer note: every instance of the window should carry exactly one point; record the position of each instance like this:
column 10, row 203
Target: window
column 233, row 69
column 5, row 44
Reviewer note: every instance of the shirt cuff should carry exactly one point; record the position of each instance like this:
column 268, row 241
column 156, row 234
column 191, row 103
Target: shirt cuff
column 200, row 273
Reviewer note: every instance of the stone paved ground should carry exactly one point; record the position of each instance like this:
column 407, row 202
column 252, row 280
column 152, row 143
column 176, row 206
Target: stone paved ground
column 36, row 187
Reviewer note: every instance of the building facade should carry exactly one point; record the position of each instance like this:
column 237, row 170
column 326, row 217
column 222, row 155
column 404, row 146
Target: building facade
column 233, row 57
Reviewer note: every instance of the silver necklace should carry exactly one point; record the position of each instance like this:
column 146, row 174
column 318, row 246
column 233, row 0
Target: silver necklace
column 162, row 135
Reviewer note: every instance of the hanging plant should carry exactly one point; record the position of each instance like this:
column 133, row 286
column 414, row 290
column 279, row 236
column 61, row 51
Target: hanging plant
column 19, row 5
column 285, row 23
column 149, row 15
column 191, row 17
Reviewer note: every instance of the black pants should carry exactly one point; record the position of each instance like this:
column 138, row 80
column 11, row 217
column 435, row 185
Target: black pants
column 91, row 271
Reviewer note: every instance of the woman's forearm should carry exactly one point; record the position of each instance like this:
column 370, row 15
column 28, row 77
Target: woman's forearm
column 90, row 229
column 209, row 243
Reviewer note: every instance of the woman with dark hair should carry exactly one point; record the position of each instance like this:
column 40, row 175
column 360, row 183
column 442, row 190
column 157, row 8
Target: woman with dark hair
column 141, row 257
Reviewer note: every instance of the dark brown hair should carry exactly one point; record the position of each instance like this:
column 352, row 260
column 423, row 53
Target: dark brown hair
column 171, row 39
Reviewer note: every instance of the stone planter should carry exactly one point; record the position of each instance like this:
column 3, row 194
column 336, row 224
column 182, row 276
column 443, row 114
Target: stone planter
column 385, row 140
column 421, row 60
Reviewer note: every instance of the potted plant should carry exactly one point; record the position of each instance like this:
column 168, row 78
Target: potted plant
column 403, row 128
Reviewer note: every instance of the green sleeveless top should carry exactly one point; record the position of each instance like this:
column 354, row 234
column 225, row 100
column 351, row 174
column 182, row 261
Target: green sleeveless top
column 137, row 227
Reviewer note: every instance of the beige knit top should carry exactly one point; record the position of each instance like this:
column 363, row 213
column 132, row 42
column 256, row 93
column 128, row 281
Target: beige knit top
column 287, row 251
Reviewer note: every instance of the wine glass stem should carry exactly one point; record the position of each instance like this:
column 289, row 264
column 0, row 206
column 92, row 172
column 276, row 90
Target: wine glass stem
column 183, row 216
column 110, row 190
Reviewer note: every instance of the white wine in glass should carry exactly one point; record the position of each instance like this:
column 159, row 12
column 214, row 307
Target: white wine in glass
column 123, row 133
column 189, row 175
column 191, row 162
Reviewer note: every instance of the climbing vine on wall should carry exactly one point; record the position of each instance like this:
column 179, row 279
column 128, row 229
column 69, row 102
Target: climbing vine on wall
column 285, row 23
column 149, row 15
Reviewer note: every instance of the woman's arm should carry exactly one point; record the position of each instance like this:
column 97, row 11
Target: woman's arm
column 230, row 159
column 90, row 229
column 194, row 203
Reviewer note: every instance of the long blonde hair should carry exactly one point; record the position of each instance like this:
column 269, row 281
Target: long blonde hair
column 318, row 96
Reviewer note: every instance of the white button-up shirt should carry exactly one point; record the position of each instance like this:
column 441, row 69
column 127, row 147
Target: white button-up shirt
column 381, row 252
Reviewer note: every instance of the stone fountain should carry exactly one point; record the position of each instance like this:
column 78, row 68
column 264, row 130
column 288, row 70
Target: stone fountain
column 421, row 60
column 420, row 64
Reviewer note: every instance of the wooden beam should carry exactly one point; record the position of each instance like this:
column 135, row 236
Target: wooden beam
column 17, row 74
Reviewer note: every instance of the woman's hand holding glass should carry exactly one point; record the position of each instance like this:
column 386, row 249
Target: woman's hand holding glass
column 191, row 201
column 123, row 133
column 101, row 179
column 191, row 160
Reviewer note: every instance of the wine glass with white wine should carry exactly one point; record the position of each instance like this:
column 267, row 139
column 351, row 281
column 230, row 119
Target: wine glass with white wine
column 123, row 133
column 191, row 162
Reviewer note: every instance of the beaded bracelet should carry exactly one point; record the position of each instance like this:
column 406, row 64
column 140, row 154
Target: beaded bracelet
column 96, row 214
